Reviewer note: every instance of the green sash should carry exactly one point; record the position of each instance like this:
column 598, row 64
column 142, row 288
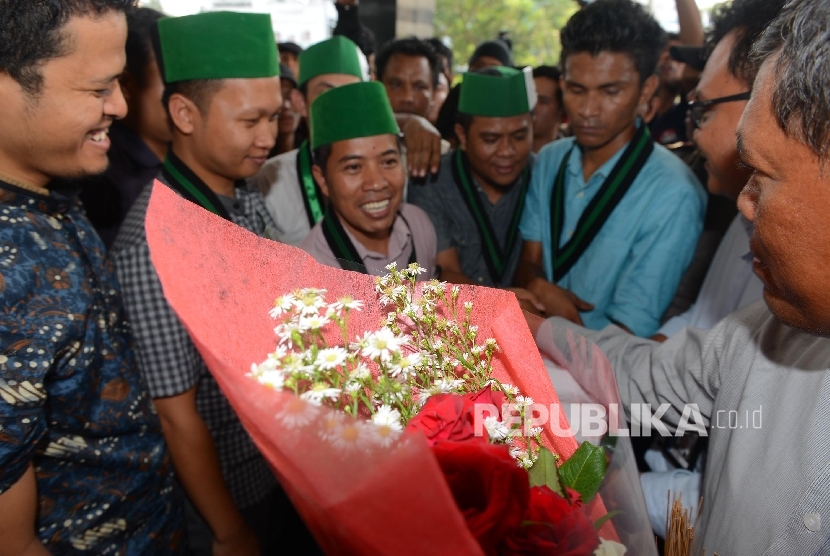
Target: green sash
column 601, row 206
column 343, row 248
column 189, row 186
column 495, row 257
column 308, row 186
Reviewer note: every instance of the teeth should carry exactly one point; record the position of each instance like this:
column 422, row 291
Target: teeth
column 100, row 136
column 377, row 206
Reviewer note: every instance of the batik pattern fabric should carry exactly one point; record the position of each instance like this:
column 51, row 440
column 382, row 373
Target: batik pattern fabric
column 72, row 401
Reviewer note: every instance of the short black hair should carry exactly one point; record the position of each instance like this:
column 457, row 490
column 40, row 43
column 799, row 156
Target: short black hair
column 749, row 18
column 140, row 24
column 621, row 26
column 800, row 38
column 553, row 73
column 550, row 72
column 31, row 33
column 200, row 91
column 410, row 46
column 367, row 43
column 442, row 50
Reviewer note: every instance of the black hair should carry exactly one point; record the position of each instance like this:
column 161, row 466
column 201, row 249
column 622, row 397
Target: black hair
column 495, row 48
column 749, row 18
column 140, row 24
column 448, row 114
column 200, row 91
column 800, row 38
column 367, row 43
column 553, row 73
column 410, row 46
column 621, row 26
column 442, row 50
column 32, row 32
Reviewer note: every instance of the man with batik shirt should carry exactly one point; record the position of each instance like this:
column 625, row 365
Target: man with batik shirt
column 83, row 465
column 222, row 91
column 611, row 220
column 476, row 200
column 357, row 162
column 292, row 195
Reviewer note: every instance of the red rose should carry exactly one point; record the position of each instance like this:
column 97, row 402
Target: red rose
column 446, row 417
column 487, row 396
column 552, row 526
column 489, row 488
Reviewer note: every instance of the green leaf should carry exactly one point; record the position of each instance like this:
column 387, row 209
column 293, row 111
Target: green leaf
column 544, row 473
column 601, row 521
column 584, row 471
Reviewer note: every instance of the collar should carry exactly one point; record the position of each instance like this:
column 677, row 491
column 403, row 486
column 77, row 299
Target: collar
column 191, row 176
column 575, row 162
column 47, row 201
column 399, row 241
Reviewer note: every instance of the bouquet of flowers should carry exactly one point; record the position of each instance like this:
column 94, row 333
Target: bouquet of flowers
column 368, row 407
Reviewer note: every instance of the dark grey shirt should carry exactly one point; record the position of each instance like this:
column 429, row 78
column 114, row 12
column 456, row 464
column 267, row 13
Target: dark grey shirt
column 456, row 227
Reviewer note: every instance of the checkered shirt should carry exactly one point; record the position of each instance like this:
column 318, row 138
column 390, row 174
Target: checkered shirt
column 169, row 360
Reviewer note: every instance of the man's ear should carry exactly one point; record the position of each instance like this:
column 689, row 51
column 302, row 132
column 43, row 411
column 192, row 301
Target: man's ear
column 320, row 178
column 298, row 102
column 462, row 137
column 649, row 90
column 183, row 113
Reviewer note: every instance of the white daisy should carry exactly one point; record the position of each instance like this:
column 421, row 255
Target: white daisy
column 381, row 344
column 415, row 269
column 313, row 322
column 320, row 392
column 282, row 305
column 347, row 302
column 331, row 357
column 272, row 379
column 406, row 365
column 309, row 300
column 388, row 425
column 295, row 413
column 361, row 372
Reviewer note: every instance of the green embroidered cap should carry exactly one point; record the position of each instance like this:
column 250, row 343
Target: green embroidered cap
column 503, row 93
column 217, row 45
column 335, row 55
column 351, row 111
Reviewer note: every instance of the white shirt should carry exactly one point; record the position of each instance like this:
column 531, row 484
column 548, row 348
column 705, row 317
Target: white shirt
column 730, row 283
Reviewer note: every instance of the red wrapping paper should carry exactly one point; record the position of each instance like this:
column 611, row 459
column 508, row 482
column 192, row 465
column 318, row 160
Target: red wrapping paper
column 222, row 280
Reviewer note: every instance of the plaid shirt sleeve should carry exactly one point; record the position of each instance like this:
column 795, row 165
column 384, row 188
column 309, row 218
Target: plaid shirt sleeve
column 166, row 355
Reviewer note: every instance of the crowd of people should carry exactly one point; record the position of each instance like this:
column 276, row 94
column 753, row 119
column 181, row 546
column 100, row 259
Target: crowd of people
column 663, row 196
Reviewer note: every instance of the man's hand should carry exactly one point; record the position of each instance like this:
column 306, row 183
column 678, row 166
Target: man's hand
column 423, row 145
column 242, row 542
column 528, row 301
column 559, row 302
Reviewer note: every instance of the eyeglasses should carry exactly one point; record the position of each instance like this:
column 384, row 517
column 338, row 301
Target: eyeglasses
column 698, row 108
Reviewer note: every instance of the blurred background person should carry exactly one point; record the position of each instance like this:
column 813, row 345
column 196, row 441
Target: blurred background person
column 139, row 142
column 409, row 69
column 289, row 116
column 548, row 116
column 494, row 52
column 290, row 55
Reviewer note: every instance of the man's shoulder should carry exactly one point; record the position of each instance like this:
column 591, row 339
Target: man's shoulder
column 414, row 213
column 280, row 167
column 670, row 170
column 131, row 233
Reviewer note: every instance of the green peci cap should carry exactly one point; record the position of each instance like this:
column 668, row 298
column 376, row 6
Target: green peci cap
column 351, row 111
column 499, row 92
column 335, row 55
column 217, row 45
